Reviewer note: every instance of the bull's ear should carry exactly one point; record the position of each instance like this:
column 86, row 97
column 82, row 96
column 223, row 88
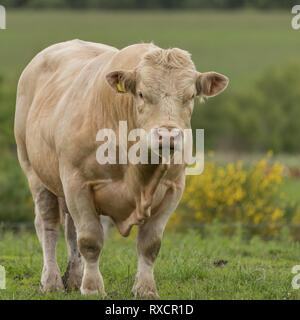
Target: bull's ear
column 210, row 84
column 122, row 81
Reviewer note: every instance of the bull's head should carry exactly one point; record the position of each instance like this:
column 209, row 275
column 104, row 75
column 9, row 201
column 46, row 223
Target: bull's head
column 163, row 87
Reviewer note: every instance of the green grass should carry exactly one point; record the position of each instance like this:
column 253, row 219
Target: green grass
column 291, row 189
column 238, row 43
column 185, row 268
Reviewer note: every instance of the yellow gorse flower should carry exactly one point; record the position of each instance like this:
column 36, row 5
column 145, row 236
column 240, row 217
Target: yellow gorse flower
column 233, row 193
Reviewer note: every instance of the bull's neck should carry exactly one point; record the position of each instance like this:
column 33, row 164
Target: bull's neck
column 143, row 172
column 113, row 109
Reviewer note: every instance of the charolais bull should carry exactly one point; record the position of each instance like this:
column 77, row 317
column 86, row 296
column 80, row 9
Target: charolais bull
column 66, row 94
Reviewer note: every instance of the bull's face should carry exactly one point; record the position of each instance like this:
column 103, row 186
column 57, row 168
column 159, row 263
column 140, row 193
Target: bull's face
column 163, row 87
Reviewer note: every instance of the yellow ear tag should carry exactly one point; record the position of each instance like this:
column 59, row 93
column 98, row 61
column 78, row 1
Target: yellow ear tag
column 120, row 87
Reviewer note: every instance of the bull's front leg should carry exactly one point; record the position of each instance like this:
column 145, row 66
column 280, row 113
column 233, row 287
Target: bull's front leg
column 149, row 239
column 89, row 232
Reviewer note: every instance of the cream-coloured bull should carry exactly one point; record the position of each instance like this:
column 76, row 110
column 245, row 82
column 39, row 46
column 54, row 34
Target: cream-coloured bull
column 65, row 95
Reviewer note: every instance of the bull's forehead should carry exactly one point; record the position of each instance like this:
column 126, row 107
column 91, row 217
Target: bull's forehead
column 162, row 81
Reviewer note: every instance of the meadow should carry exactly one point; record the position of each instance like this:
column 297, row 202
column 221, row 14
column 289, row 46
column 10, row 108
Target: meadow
column 190, row 266
column 203, row 263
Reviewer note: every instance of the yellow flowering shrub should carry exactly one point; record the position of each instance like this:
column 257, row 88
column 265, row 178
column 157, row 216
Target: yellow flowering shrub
column 234, row 193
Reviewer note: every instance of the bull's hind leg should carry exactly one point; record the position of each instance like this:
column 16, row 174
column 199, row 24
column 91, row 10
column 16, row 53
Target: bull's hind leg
column 73, row 275
column 47, row 227
column 46, row 220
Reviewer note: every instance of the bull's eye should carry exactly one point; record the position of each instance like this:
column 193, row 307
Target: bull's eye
column 193, row 96
column 140, row 95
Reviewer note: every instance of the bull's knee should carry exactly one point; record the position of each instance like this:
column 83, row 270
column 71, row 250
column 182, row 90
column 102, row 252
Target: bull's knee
column 90, row 240
column 149, row 250
column 89, row 247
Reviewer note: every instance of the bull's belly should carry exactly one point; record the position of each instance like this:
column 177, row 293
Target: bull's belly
column 115, row 201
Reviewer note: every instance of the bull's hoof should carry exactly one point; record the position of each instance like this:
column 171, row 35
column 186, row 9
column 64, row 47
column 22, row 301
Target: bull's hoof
column 93, row 286
column 145, row 291
column 93, row 292
column 72, row 281
column 90, row 292
column 51, row 280
column 73, row 277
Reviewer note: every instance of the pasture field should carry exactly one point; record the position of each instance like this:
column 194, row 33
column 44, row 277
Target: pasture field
column 189, row 266
column 291, row 188
column 239, row 44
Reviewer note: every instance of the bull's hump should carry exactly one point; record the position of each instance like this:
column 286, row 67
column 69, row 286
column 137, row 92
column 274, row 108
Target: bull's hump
column 83, row 47
column 129, row 57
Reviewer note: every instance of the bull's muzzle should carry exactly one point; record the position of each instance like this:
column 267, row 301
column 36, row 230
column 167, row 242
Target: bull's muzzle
column 168, row 137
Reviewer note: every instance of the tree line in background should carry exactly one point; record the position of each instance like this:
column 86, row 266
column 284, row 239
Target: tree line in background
column 151, row 4
column 263, row 116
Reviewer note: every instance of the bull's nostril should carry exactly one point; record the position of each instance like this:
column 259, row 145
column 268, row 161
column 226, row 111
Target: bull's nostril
column 168, row 136
column 168, row 130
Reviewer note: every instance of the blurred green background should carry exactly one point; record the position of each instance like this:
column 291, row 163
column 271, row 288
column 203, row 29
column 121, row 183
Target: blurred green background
column 252, row 42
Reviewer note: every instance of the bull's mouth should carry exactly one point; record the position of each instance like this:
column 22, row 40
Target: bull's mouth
column 171, row 150
column 172, row 145
column 161, row 146
column 165, row 150
column 168, row 156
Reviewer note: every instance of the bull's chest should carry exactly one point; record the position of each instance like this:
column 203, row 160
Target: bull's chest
column 114, row 199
